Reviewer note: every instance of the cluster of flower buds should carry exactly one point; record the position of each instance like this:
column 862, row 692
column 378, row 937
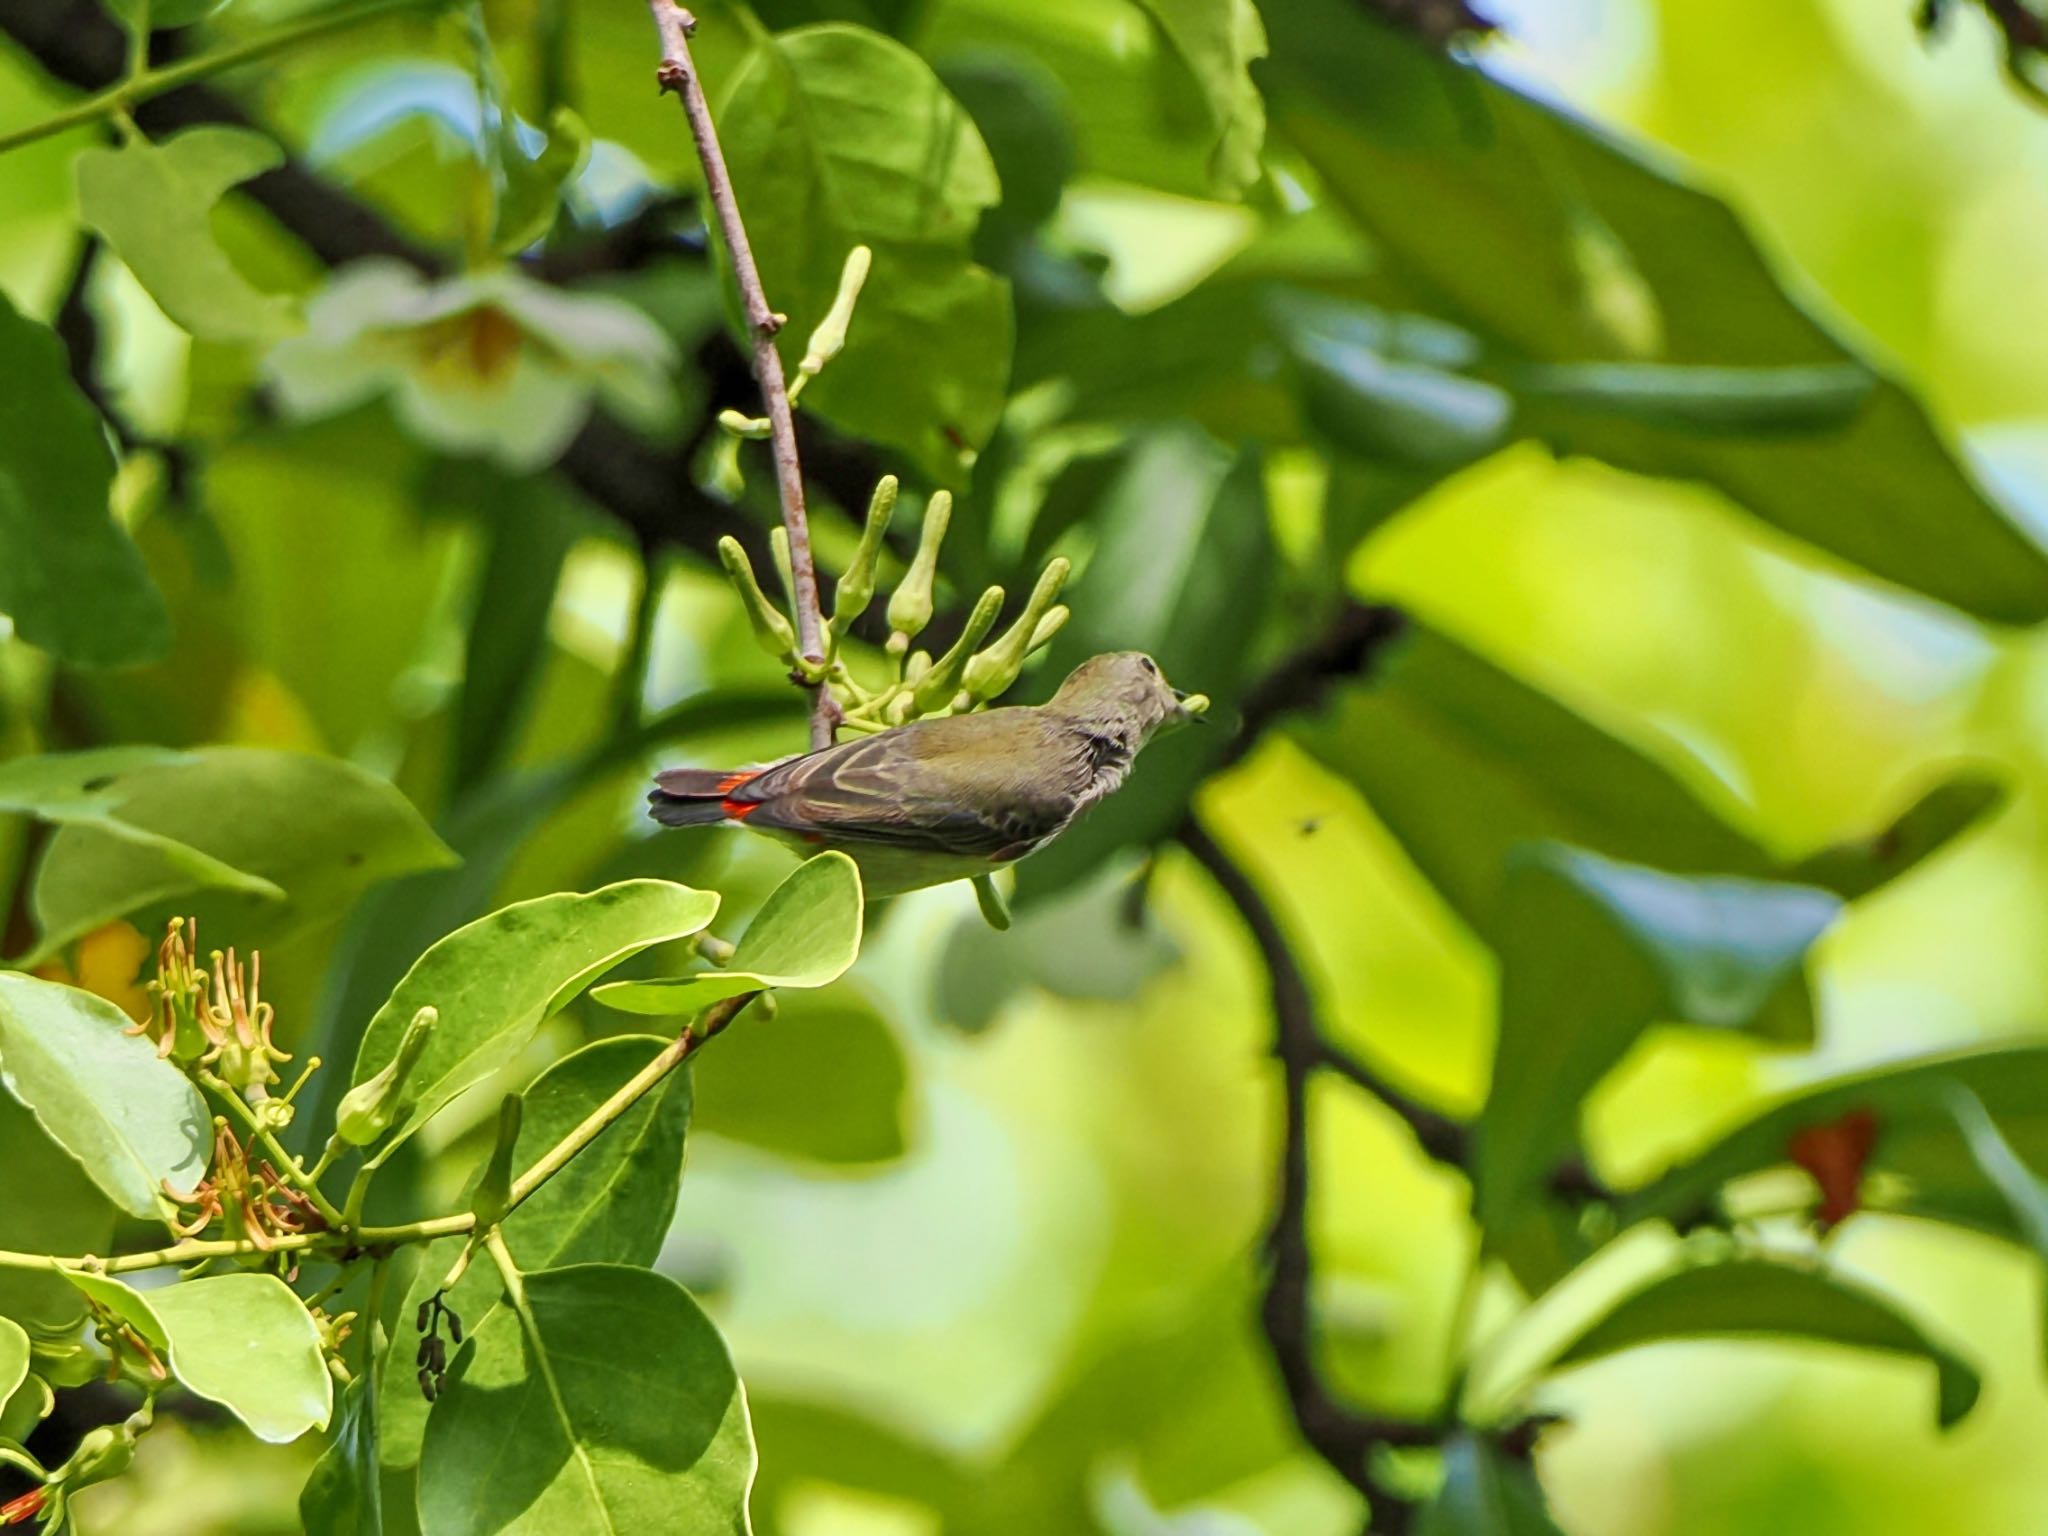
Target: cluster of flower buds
column 968, row 675
column 212, row 1020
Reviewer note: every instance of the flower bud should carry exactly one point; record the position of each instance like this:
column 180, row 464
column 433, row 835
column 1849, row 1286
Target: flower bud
column 939, row 685
column 830, row 334
column 856, row 588
column 104, row 1453
column 494, row 1190
column 1050, row 625
column 371, row 1108
column 771, row 629
column 910, row 609
column 754, row 427
column 990, row 673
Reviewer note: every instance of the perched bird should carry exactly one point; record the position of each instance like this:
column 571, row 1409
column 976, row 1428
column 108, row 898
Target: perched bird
column 948, row 798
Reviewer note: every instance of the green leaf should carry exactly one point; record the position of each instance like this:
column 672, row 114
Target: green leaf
column 825, row 1080
column 534, row 185
column 1551, row 237
column 318, row 829
column 154, row 204
column 52, row 1206
column 1591, row 953
column 13, row 1357
column 1765, row 1299
column 1927, row 1167
column 1215, row 41
column 836, row 137
column 1181, row 571
column 1486, row 1493
column 495, row 980
column 1936, row 819
column 2007, row 1173
column 28, row 1407
column 610, row 1205
column 1017, row 110
column 344, row 1494
column 70, row 577
column 123, row 1303
column 1705, row 400
column 132, row 1120
column 806, row 934
column 528, row 1436
column 246, row 1342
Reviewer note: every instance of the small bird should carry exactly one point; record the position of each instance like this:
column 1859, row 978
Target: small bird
column 949, row 798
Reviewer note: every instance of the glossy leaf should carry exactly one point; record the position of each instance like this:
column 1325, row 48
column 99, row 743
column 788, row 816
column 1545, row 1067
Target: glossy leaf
column 1180, row 572
column 1591, row 953
column 1765, row 1299
column 529, row 1436
column 133, row 1121
column 1215, row 41
column 344, row 1493
column 1918, row 1145
column 610, row 1205
column 495, row 980
column 807, row 934
column 153, row 202
column 837, row 137
column 246, row 1342
column 1553, row 239
column 270, row 841
column 1486, row 1493
column 52, row 1206
column 70, row 578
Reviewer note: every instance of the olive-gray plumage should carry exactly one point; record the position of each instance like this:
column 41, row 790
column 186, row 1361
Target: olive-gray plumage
column 943, row 799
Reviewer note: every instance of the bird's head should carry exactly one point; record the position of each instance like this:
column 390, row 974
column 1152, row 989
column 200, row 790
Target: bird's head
column 1125, row 692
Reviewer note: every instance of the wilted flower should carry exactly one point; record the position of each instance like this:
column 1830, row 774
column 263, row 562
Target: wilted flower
column 487, row 362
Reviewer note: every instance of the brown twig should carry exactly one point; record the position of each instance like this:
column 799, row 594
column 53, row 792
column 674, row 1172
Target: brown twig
column 678, row 73
column 1343, row 1436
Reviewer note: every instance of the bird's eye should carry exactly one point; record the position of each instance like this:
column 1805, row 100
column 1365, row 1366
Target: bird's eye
column 1151, row 665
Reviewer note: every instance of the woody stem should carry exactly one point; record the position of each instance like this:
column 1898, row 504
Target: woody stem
column 678, row 73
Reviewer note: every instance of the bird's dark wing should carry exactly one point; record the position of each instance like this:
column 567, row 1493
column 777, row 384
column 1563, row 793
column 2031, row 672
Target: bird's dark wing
column 971, row 785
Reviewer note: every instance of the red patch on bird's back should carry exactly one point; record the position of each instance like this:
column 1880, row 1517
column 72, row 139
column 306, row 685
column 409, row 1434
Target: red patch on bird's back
column 735, row 780
column 739, row 810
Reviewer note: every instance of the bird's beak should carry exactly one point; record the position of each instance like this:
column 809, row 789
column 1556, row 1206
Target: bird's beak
column 1194, row 707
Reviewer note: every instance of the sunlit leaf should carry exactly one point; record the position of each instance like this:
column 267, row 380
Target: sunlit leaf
column 616, row 1409
column 246, row 1342
column 495, row 980
column 1765, row 1299
column 806, row 934
column 295, row 838
column 131, row 1119
column 837, row 137
column 610, row 1205
column 153, row 202
column 13, row 1358
column 70, row 578
column 1591, row 953
column 1215, row 41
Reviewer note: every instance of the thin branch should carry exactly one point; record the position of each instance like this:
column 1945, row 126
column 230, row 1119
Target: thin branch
column 678, row 73
column 1343, row 1436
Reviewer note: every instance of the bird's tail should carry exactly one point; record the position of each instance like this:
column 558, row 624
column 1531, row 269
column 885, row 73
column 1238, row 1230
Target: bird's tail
column 692, row 797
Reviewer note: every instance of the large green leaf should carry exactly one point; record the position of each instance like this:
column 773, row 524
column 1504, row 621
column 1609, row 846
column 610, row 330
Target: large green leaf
column 1463, row 761
column 344, row 1493
column 1486, row 1493
column 134, row 1122
column 610, row 1205
column 1927, row 1163
column 495, row 980
column 1554, row 239
column 613, row 1407
column 249, row 1344
column 807, row 934
column 1215, row 41
column 1592, row 952
column 1181, row 571
column 260, row 844
column 837, row 137
column 13, row 1357
column 52, row 1206
column 154, row 203
column 1767, row 1299
column 70, row 578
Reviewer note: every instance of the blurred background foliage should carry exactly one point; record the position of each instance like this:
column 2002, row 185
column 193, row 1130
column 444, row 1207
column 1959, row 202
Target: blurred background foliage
column 1418, row 405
